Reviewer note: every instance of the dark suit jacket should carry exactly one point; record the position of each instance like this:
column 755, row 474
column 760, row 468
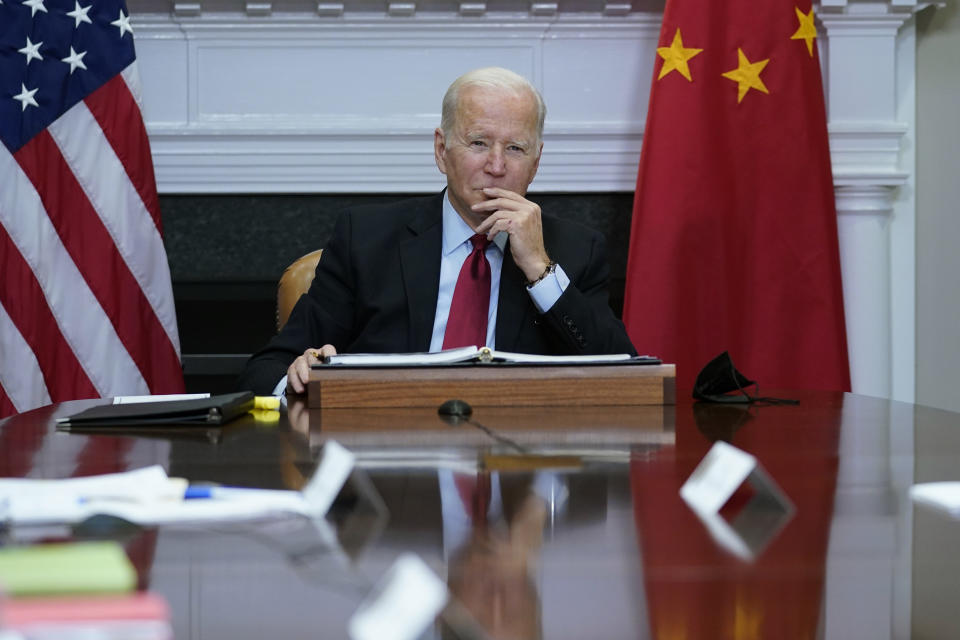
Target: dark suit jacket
column 375, row 291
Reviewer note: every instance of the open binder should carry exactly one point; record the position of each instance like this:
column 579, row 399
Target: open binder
column 215, row 410
column 475, row 355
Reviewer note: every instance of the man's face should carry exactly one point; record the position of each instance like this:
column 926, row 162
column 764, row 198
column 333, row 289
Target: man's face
column 493, row 144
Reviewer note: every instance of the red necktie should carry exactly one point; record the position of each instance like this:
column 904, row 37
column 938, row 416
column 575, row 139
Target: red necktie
column 475, row 494
column 467, row 321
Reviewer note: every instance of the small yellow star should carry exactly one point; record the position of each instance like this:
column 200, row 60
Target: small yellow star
column 747, row 618
column 747, row 75
column 675, row 57
column 807, row 30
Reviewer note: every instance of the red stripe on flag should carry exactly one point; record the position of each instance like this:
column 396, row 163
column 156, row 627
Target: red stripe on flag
column 28, row 309
column 117, row 113
column 93, row 251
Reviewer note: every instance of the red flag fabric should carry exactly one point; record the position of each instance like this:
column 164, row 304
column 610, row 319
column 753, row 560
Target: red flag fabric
column 734, row 236
column 86, row 305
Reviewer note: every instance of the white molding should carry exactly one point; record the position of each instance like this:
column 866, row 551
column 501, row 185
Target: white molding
column 186, row 9
column 305, row 162
column 401, row 9
column 330, row 9
column 200, row 129
column 259, row 8
column 472, row 8
column 867, row 152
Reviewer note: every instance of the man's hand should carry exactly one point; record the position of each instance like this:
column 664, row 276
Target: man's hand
column 515, row 215
column 298, row 373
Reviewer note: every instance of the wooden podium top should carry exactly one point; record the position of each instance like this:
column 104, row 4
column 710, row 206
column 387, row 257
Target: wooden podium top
column 492, row 385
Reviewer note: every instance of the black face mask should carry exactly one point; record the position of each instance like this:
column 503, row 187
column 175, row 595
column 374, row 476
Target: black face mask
column 719, row 378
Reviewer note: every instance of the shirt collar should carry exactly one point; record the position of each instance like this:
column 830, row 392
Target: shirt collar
column 456, row 231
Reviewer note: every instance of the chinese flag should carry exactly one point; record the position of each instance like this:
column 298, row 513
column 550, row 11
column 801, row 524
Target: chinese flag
column 734, row 238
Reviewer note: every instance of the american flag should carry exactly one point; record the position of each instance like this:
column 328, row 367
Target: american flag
column 86, row 306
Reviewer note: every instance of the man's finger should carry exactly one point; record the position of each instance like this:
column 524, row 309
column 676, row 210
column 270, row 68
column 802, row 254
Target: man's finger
column 498, row 192
column 505, row 204
column 294, row 382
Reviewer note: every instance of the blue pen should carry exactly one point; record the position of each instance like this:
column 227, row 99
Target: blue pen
column 206, row 492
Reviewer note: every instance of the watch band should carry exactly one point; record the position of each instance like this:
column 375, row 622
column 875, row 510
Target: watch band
column 551, row 268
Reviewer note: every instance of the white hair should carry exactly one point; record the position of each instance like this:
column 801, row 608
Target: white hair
column 494, row 78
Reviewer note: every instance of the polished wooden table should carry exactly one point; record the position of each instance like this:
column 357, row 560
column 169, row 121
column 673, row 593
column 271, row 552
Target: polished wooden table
column 588, row 537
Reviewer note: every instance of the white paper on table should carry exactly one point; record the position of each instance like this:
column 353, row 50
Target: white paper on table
column 167, row 397
column 144, row 496
column 147, row 483
column 717, row 477
column 328, row 479
column 944, row 496
column 148, row 497
column 403, row 604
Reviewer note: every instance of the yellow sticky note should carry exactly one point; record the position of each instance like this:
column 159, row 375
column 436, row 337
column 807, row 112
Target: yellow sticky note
column 65, row 568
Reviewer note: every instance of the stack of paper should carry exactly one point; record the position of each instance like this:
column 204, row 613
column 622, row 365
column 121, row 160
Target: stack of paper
column 77, row 590
column 148, row 497
column 143, row 616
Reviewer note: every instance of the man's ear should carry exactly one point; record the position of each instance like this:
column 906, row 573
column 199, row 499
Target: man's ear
column 439, row 148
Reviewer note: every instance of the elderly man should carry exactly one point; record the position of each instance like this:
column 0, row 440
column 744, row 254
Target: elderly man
column 474, row 265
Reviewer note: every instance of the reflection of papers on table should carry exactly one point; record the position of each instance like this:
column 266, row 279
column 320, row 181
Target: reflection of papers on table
column 711, row 485
column 469, row 460
column 749, row 532
column 419, row 438
column 402, row 605
column 942, row 496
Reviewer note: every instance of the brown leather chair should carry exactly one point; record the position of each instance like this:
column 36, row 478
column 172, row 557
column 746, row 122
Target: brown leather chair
column 294, row 282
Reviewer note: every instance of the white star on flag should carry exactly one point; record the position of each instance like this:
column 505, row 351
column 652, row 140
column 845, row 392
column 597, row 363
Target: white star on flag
column 26, row 97
column 80, row 14
column 31, row 50
column 35, row 5
column 123, row 23
column 75, row 60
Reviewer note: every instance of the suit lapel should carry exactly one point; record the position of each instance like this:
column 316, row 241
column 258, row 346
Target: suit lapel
column 420, row 266
column 514, row 303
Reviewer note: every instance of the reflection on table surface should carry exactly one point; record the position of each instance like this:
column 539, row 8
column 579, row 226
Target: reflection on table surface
column 552, row 523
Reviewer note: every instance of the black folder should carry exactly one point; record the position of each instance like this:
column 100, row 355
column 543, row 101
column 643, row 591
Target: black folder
column 215, row 410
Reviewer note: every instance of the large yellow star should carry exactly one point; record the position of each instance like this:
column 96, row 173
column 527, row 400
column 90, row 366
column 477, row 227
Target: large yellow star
column 747, row 75
column 807, row 30
column 675, row 57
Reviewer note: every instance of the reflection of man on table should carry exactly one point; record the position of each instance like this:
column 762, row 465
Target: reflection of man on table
column 491, row 567
column 419, row 274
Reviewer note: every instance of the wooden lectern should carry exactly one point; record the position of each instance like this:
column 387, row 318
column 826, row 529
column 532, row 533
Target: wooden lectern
column 492, row 385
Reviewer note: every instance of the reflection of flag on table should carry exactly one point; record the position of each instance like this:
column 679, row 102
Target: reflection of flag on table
column 694, row 588
column 86, row 307
column 734, row 238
